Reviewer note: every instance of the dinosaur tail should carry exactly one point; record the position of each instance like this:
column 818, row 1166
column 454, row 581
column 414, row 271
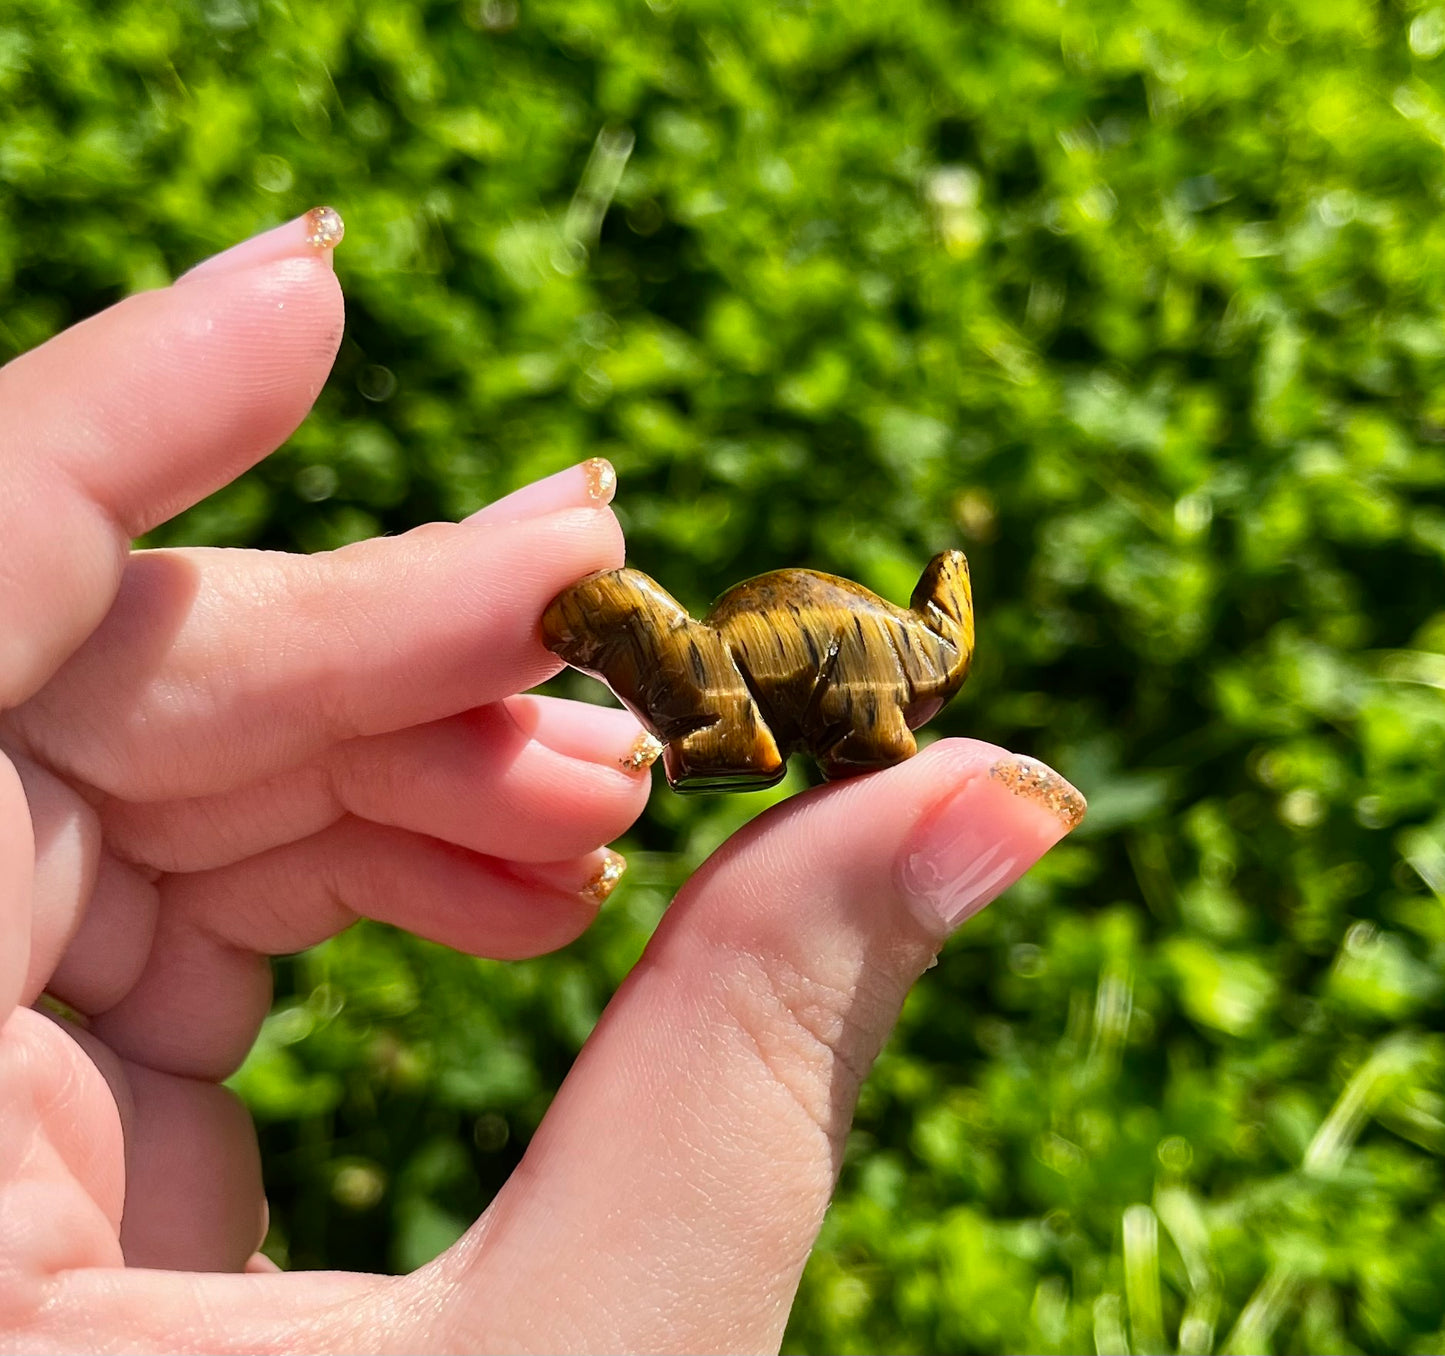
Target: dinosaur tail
column 944, row 599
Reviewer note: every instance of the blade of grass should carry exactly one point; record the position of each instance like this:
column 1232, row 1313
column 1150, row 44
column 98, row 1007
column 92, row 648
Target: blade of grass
column 1141, row 1280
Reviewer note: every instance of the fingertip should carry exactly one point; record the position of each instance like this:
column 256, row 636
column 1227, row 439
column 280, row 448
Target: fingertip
column 999, row 814
column 185, row 388
column 586, row 731
column 125, row 419
column 194, row 1194
column 282, row 317
column 314, row 234
column 591, row 483
column 589, row 880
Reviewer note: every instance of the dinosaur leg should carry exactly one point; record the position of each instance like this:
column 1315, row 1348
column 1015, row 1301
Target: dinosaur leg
column 881, row 740
column 733, row 752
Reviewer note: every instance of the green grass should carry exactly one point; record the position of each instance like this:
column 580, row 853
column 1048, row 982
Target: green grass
column 1143, row 304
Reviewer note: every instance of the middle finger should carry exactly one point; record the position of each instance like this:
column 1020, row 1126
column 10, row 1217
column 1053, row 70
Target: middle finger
column 531, row 779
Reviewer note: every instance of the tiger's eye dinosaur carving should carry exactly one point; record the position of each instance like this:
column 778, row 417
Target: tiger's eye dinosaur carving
column 793, row 661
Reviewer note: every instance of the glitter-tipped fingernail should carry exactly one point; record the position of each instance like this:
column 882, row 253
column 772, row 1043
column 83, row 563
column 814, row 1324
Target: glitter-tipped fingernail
column 1007, row 812
column 601, row 479
column 318, row 232
column 1038, row 782
column 604, row 879
column 645, row 750
column 325, row 229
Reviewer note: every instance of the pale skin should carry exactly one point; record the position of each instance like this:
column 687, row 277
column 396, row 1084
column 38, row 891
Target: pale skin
column 210, row 757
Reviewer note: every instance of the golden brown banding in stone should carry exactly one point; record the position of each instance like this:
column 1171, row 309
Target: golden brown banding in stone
column 792, row 661
column 1039, row 782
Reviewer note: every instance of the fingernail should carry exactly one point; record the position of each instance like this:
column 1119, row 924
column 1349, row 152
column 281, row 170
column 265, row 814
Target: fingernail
column 601, row 479
column 318, row 232
column 644, row 752
column 983, row 837
column 604, row 740
column 1033, row 781
column 604, row 881
column 589, row 484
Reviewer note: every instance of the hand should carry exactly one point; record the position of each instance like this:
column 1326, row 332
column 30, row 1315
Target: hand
column 214, row 756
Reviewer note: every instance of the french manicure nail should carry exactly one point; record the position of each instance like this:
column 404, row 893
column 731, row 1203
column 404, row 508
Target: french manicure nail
column 604, row 880
column 318, row 232
column 984, row 836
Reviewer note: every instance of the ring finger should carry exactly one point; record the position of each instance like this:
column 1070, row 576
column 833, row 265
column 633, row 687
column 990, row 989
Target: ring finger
column 199, row 1001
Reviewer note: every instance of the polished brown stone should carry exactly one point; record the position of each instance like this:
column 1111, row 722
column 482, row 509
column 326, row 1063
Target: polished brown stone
column 793, row 661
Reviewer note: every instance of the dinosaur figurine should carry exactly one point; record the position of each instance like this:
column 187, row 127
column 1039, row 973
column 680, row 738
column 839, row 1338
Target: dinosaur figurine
column 792, row 661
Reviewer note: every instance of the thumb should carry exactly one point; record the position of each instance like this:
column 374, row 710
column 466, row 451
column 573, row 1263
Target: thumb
column 671, row 1196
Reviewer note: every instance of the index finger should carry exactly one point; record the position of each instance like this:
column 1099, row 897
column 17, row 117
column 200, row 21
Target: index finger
column 125, row 419
column 215, row 668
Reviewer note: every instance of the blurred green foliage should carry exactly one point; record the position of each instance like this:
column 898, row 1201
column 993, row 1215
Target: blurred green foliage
column 1142, row 303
